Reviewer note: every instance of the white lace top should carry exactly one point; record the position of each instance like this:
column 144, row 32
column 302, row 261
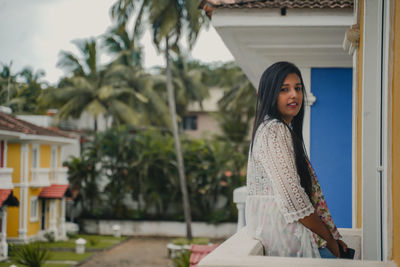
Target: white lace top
column 276, row 200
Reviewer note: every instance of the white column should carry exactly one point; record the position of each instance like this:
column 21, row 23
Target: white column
column 374, row 169
column 23, row 203
column 53, row 218
column 62, row 232
column 3, row 234
column 241, row 215
column 5, row 153
column 239, row 197
column 306, row 74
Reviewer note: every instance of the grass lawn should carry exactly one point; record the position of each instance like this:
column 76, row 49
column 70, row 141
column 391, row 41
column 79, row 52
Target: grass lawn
column 68, row 256
column 93, row 242
column 7, row 264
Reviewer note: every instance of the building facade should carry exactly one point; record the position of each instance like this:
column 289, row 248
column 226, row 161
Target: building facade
column 32, row 161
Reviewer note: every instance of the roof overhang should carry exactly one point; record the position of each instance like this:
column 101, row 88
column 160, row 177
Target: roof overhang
column 307, row 37
column 18, row 136
column 55, row 191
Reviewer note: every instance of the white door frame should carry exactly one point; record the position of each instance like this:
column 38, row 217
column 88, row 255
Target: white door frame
column 375, row 148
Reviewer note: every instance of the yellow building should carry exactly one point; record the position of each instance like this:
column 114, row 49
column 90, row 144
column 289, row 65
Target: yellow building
column 7, row 198
column 40, row 182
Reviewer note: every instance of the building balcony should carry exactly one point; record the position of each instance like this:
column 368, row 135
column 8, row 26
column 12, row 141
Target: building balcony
column 58, row 176
column 241, row 250
column 40, row 177
column 6, row 178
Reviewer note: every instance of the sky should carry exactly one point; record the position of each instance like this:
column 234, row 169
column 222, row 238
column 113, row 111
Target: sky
column 33, row 32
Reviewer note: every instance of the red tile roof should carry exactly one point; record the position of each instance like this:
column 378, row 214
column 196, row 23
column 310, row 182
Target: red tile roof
column 10, row 123
column 279, row 3
column 198, row 252
column 4, row 194
column 54, row 191
column 209, row 5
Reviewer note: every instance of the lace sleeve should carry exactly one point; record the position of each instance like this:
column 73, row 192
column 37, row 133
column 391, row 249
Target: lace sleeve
column 278, row 160
column 320, row 205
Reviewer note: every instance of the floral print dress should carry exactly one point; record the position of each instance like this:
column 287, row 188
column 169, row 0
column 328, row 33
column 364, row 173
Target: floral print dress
column 319, row 203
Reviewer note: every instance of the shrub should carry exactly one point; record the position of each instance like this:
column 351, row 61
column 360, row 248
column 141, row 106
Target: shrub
column 72, row 235
column 93, row 241
column 50, row 237
column 32, row 255
column 183, row 259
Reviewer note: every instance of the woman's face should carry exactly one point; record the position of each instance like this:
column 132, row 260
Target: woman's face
column 290, row 97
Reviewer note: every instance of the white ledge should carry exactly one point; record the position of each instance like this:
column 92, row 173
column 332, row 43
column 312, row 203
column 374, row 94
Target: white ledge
column 241, row 250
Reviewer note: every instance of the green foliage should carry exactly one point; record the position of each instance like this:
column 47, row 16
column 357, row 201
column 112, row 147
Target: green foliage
column 188, row 82
column 93, row 241
column 20, row 91
column 182, row 260
column 32, row 255
column 72, row 236
column 141, row 164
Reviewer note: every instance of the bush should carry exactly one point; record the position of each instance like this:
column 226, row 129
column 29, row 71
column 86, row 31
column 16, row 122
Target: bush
column 183, row 259
column 72, row 235
column 93, row 241
column 50, row 237
column 142, row 165
column 32, row 255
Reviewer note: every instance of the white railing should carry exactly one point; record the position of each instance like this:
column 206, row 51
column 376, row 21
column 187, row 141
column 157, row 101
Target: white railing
column 59, row 176
column 239, row 198
column 40, row 177
column 241, row 250
column 6, row 178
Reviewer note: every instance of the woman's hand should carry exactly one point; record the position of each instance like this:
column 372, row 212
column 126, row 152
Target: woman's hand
column 344, row 246
column 333, row 247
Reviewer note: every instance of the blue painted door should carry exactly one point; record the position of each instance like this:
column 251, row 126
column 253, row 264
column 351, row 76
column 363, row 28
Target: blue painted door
column 330, row 140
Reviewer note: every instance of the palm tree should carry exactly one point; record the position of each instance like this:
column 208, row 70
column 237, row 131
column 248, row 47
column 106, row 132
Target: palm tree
column 123, row 46
column 26, row 97
column 188, row 84
column 237, row 106
column 8, row 84
column 168, row 19
column 87, row 89
column 126, row 72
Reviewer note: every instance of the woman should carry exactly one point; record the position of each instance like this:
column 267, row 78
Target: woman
column 285, row 208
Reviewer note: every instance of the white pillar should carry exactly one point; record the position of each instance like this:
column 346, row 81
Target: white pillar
column 23, row 203
column 53, row 217
column 62, row 231
column 3, row 234
column 241, row 215
column 306, row 74
column 239, row 197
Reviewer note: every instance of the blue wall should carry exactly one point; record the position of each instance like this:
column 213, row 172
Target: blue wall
column 330, row 142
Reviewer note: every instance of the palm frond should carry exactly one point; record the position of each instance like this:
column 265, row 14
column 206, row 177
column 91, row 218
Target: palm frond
column 70, row 62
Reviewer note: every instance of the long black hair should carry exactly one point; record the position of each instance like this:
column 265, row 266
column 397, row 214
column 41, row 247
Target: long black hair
column 267, row 99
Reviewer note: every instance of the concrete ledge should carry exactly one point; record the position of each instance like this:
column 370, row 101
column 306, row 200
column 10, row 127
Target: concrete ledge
column 241, row 250
column 159, row 228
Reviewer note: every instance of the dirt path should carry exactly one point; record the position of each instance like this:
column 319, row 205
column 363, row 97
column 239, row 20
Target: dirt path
column 137, row 251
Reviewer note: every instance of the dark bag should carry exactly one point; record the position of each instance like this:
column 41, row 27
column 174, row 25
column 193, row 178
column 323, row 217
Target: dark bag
column 349, row 254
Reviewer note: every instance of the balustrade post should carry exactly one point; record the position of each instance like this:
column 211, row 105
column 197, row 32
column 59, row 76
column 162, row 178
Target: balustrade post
column 239, row 198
